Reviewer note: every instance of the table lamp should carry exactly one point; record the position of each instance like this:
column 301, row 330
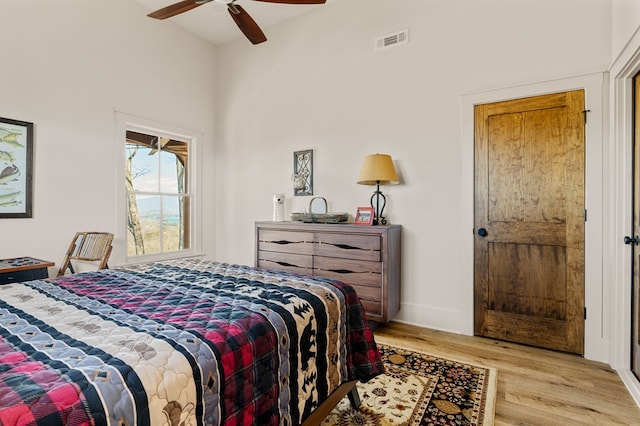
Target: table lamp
column 377, row 169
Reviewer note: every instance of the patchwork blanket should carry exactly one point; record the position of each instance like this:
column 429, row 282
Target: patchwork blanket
column 184, row 342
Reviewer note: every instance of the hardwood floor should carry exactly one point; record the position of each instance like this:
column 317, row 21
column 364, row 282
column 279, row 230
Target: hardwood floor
column 535, row 386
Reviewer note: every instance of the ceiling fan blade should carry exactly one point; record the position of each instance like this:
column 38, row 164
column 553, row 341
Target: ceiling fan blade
column 176, row 9
column 246, row 24
column 295, row 1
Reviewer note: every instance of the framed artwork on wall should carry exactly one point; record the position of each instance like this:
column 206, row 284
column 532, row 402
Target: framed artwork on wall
column 16, row 163
column 303, row 172
column 364, row 216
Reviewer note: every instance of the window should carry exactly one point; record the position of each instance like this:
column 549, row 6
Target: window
column 159, row 198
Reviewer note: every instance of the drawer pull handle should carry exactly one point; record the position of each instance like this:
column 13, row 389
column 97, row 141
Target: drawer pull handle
column 346, row 271
column 286, row 264
column 282, row 242
column 341, row 271
column 346, row 247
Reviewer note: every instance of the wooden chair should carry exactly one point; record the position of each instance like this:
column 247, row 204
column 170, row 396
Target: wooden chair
column 88, row 247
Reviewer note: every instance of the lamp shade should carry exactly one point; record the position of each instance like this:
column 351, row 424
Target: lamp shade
column 378, row 169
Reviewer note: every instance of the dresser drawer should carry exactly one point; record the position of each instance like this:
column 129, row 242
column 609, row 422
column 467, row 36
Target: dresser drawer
column 19, row 276
column 370, row 294
column 354, row 272
column 285, row 241
column 349, row 246
column 364, row 276
column 298, row 263
column 373, row 309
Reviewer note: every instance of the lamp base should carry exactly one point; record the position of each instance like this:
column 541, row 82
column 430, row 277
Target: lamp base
column 380, row 221
column 377, row 195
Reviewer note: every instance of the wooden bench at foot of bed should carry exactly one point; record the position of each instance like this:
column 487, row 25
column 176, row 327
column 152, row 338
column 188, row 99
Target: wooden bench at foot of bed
column 329, row 404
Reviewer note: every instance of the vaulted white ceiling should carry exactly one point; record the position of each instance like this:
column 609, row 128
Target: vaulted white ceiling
column 212, row 22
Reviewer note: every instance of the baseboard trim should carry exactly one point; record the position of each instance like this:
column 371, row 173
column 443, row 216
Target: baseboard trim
column 632, row 384
column 432, row 317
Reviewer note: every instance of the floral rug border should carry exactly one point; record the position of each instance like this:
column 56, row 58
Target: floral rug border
column 422, row 388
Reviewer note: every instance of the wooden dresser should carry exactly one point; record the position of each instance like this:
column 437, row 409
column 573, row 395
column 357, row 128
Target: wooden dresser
column 366, row 257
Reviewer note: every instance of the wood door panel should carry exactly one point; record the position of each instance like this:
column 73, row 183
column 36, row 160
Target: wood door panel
column 524, row 279
column 527, row 330
column 526, row 177
column 529, row 197
column 527, row 233
column 534, row 103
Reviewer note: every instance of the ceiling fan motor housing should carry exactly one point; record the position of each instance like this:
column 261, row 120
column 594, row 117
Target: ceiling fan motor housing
column 243, row 20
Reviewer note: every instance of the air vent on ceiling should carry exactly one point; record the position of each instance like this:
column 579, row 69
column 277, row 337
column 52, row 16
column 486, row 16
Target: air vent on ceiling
column 393, row 39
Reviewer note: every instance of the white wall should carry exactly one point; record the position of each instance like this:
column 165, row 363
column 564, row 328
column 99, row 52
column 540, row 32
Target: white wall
column 625, row 15
column 317, row 83
column 67, row 66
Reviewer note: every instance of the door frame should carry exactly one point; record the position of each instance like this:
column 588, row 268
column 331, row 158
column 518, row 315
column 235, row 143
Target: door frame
column 596, row 296
column 620, row 175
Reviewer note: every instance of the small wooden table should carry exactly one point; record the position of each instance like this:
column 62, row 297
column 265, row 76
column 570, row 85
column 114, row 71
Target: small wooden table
column 23, row 269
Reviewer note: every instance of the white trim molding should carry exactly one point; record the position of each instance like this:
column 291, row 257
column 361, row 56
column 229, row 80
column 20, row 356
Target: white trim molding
column 619, row 181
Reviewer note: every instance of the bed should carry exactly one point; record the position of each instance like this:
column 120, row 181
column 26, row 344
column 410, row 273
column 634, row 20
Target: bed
column 183, row 342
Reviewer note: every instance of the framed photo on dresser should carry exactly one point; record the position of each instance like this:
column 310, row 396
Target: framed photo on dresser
column 364, row 216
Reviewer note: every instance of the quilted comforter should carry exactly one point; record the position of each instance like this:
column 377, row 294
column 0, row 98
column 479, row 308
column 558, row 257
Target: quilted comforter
column 183, row 342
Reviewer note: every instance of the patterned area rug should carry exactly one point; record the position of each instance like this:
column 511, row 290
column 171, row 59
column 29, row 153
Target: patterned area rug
column 420, row 389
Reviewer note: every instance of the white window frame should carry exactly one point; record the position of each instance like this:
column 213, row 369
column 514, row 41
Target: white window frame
column 126, row 122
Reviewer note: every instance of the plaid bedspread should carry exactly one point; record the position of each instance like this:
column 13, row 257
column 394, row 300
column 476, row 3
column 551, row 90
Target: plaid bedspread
column 183, row 342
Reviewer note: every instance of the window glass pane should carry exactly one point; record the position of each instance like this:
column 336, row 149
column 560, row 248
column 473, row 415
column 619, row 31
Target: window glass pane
column 144, row 167
column 174, row 221
column 144, row 212
column 173, row 166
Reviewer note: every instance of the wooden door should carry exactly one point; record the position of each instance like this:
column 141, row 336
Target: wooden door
column 529, row 221
column 635, row 287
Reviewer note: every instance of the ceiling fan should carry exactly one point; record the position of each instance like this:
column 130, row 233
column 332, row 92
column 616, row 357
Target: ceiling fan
column 242, row 19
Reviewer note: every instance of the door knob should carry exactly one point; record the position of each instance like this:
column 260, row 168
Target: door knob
column 482, row 232
column 629, row 240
